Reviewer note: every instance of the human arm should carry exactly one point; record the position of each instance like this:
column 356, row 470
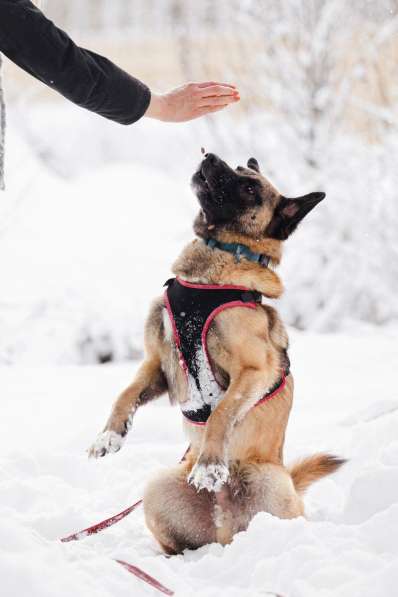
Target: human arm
column 87, row 79
column 92, row 81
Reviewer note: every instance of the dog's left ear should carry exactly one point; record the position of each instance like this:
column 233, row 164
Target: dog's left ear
column 253, row 164
column 289, row 213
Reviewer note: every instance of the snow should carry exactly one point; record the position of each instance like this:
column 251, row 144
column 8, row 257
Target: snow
column 94, row 215
column 345, row 403
column 74, row 254
column 107, row 441
column 209, row 476
column 210, row 392
column 86, row 242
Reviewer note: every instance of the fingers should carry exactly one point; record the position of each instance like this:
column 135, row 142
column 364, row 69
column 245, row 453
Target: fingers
column 209, row 109
column 217, row 101
column 212, row 83
column 217, row 90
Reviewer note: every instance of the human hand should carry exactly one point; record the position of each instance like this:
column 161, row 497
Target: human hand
column 191, row 100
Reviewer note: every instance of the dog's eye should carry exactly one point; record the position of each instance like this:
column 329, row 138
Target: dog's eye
column 250, row 189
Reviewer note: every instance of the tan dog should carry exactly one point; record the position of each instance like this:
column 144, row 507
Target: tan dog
column 234, row 467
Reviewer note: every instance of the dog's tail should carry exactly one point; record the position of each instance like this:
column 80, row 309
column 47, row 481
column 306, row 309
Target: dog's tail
column 312, row 468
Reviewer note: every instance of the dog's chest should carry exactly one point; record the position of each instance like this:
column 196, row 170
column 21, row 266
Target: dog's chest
column 191, row 310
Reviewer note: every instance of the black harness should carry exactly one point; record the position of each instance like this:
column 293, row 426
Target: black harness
column 192, row 308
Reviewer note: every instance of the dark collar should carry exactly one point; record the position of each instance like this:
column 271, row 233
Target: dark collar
column 238, row 251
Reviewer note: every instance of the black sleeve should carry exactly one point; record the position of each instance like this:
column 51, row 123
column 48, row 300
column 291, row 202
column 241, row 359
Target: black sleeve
column 35, row 44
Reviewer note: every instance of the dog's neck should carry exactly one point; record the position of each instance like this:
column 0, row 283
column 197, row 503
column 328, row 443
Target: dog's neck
column 200, row 264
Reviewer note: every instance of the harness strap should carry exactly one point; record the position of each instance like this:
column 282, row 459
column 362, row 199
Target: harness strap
column 191, row 308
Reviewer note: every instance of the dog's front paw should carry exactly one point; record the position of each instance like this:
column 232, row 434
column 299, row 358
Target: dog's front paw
column 106, row 442
column 211, row 476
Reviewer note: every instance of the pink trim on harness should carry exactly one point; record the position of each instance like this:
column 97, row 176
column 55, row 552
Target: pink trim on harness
column 212, row 286
column 274, row 393
column 277, row 390
column 205, row 331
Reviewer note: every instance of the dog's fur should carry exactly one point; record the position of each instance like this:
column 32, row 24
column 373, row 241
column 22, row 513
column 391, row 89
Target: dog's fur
column 234, row 467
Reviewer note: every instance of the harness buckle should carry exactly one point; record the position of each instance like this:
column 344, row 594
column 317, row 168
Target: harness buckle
column 239, row 251
column 168, row 282
column 264, row 260
column 211, row 242
column 251, row 296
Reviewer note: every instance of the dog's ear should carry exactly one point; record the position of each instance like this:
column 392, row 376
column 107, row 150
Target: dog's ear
column 253, row 164
column 289, row 213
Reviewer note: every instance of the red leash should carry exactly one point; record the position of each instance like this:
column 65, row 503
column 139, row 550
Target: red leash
column 108, row 522
column 100, row 526
column 145, row 577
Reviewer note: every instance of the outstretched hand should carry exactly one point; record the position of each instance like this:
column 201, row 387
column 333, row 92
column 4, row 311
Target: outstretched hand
column 191, row 101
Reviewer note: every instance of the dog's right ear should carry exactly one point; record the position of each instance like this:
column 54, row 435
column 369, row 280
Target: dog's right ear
column 289, row 213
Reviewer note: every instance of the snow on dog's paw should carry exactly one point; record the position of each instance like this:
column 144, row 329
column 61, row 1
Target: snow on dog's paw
column 210, row 476
column 106, row 442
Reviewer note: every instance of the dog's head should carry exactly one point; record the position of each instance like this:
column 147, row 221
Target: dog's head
column 243, row 201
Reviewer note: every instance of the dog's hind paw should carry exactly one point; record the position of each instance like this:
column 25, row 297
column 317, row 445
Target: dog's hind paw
column 210, row 476
column 106, row 442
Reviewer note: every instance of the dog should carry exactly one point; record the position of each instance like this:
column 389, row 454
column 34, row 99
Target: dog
column 230, row 375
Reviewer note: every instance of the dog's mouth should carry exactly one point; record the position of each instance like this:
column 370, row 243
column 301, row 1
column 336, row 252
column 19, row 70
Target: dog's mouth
column 214, row 184
column 212, row 177
column 203, row 178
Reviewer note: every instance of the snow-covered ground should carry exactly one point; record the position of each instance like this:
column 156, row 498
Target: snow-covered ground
column 346, row 402
column 80, row 258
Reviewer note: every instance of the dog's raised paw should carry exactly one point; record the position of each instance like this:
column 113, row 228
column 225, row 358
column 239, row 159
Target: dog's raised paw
column 210, row 476
column 106, row 442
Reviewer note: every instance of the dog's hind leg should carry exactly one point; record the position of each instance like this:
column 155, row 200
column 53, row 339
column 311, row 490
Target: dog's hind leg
column 271, row 489
column 178, row 516
column 254, row 488
column 251, row 489
column 224, row 515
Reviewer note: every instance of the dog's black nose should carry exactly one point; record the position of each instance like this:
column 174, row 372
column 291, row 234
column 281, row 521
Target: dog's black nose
column 211, row 158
